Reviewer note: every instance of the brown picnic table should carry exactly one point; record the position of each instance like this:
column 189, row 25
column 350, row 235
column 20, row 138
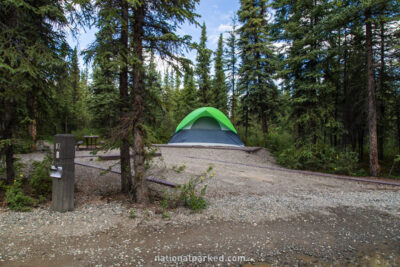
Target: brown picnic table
column 91, row 141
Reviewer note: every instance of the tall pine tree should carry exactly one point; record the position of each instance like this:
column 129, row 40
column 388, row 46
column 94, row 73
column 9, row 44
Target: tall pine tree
column 231, row 59
column 219, row 94
column 203, row 68
column 153, row 27
column 258, row 63
column 32, row 49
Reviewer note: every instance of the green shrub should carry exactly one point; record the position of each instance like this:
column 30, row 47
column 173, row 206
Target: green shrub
column 179, row 169
column 2, row 186
column 188, row 194
column 191, row 197
column 16, row 199
column 279, row 141
column 319, row 157
column 166, row 215
column 22, row 146
column 41, row 181
column 132, row 214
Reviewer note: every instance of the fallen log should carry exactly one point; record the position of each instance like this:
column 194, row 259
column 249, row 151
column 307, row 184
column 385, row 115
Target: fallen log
column 117, row 156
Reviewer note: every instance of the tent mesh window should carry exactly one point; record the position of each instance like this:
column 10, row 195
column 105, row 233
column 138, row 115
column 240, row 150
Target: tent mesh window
column 206, row 123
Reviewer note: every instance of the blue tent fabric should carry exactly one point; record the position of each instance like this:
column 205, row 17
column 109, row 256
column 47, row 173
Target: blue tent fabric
column 206, row 136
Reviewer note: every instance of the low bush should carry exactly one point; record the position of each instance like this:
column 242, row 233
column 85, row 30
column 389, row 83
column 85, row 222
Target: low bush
column 24, row 193
column 190, row 194
column 319, row 157
column 279, row 140
column 193, row 198
column 16, row 199
column 41, row 181
column 22, row 146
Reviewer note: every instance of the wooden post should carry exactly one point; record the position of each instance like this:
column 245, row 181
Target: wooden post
column 63, row 188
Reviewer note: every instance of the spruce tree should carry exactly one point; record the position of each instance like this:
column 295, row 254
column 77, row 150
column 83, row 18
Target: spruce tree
column 111, row 51
column 153, row 26
column 304, row 73
column 189, row 98
column 203, row 68
column 75, row 77
column 231, row 59
column 258, row 63
column 219, row 95
column 31, row 62
column 154, row 110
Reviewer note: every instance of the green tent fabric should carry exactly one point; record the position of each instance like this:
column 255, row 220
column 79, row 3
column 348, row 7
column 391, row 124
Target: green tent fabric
column 206, row 112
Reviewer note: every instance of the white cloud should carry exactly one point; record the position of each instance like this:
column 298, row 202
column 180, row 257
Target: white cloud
column 214, row 38
column 224, row 27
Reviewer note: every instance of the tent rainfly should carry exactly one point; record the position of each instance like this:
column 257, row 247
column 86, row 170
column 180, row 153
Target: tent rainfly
column 206, row 126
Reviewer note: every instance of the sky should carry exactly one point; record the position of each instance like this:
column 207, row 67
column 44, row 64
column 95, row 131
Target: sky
column 216, row 14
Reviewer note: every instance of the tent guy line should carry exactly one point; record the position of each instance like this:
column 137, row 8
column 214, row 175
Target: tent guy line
column 150, row 179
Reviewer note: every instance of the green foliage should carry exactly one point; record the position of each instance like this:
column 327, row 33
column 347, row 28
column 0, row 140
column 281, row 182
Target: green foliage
column 188, row 98
column 22, row 146
column 104, row 98
column 219, row 92
column 259, row 94
column 232, row 66
column 2, row 186
column 16, row 199
column 203, row 68
column 166, row 215
column 278, row 140
column 191, row 197
column 41, row 181
column 190, row 194
column 179, row 169
column 319, row 158
column 132, row 214
column 26, row 192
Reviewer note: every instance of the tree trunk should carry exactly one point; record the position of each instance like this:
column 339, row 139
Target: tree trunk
column 233, row 106
column 233, row 81
column 381, row 128
column 347, row 101
column 66, row 123
column 398, row 124
column 33, row 127
column 373, row 144
column 264, row 122
column 361, row 144
column 398, row 132
column 9, row 152
column 126, row 179
column 6, row 125
column 246, row 118
column 141, row 188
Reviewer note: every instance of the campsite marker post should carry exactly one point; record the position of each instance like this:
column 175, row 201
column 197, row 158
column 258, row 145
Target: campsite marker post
column 63, row 173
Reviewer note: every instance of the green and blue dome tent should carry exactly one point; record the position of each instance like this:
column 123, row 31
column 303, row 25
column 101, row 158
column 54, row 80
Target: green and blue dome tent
column 206, row 126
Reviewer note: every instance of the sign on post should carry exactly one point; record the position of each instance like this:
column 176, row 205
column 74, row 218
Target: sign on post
column 63, row 173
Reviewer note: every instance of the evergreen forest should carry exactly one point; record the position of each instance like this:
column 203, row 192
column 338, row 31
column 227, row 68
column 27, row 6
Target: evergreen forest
column 315, row 82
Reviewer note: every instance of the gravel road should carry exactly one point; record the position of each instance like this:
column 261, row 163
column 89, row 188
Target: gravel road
column 264, row 215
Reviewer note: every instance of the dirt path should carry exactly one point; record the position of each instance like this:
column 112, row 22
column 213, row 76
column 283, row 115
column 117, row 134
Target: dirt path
column 261, row 215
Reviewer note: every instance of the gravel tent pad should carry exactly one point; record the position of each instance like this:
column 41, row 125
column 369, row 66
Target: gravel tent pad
column 269, row 216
